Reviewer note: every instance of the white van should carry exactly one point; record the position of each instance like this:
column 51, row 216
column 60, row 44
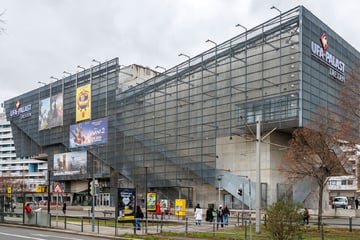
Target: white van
column 340, row 202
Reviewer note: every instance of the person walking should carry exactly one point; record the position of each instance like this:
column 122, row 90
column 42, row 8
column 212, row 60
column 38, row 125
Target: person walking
column 28, row 209
column 28, row 212
column 198, row 214
column 138, row 216
column 356, row 203
column 209, row 214
column 226, row 215
column 64, row 207
column 306, row 216
column 220, row 217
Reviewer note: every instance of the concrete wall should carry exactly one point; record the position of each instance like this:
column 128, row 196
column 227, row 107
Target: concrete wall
column 237, row 155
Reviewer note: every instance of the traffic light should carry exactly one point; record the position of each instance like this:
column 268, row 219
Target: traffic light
column 91, row 188
column 240, row 192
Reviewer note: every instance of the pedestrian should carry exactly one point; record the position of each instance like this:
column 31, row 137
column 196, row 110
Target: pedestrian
column 198, row 214
column 306, row 216
column 64, row 207
column 138, row 215
column 209, row 214
column 356, row 203
column 220, row 217
column 28, row 210
column 226, row 215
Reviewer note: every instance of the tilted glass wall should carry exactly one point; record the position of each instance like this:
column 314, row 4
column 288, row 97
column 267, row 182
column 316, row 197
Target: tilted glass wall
column 166, row 130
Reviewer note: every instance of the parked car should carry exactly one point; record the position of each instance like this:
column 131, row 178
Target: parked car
column 340, row 202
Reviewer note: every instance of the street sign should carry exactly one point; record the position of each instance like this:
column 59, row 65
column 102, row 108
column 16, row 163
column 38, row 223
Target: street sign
column 58, row 188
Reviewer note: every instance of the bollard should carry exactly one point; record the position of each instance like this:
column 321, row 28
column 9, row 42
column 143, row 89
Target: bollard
column 186, row 226
column 265, row 220
column 161, row 224
column 65, row 222
column 322, row 231
column 245, row 230
column 82, row 224
column 214, row 228
column 350, row 224
column 98, row 226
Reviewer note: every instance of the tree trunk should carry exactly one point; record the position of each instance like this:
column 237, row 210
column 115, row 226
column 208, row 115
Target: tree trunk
column 321, row 189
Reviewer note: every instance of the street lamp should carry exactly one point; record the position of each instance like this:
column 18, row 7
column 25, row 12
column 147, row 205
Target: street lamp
column 146, row 213
column 160, row 68
column 273, row 7
column 78, row 66
column 211, row 42
column 219, row 180
column 52, row 77
column 65, row 72
column 184, row 55
column 40, row 82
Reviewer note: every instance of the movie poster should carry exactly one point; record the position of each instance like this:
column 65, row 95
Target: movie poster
column 51, row 112
column 151, row 201
column 89, row 133
column 127, row 201
column 70, row 163
column 83, row 103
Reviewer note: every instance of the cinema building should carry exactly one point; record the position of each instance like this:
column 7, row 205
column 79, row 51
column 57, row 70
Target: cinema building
column 187, row 132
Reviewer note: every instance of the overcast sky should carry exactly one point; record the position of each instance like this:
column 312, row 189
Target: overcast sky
column 43, row 38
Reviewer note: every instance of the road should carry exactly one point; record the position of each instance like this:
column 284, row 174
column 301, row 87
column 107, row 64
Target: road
column 18, row 233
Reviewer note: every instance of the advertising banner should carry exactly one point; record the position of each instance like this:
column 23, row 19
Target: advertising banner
column 89, row 133
column 51, row 112
column 151, row 201
column 126, row 204
column 83, row 103
column 70, row 163
column 180, row 207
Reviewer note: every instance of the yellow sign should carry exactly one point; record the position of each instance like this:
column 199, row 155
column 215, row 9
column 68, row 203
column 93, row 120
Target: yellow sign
column 83, row 103
column 180, row 207
column 9, row 190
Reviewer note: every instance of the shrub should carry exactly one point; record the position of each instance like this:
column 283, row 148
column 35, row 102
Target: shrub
column 283, row 220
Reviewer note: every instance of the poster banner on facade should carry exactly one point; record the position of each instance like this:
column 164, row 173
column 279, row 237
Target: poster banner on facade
column 70, row 163
column 83, row 103
column 126, row 204
column 151, row 201
column 89, row 133
column 51, row 112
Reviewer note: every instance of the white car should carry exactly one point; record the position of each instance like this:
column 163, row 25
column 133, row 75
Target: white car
column 340, row 202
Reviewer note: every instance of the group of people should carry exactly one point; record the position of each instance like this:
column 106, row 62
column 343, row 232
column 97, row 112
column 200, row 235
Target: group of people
column 221, row 215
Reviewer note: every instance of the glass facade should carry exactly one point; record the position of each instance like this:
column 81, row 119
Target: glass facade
column 165, row 133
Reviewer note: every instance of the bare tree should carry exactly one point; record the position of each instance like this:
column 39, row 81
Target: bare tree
column 314, row 154
column 349, row 107
column 320, row 153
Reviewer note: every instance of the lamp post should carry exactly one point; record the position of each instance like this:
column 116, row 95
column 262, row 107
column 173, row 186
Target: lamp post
column 52, row 77
column 49, row 192
column 65, row 72
column 211, row 42
column 160, row 68
column 273, row 7
column 184, row 55
column 258, row 174
column 40, row 82
column 219, row 180
column 78, row 66
column 146, row 212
